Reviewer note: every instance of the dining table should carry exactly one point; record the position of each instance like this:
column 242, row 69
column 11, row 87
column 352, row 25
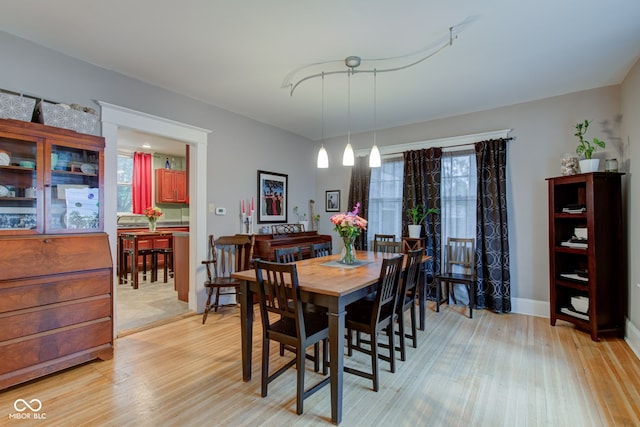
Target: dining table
column 325, row 282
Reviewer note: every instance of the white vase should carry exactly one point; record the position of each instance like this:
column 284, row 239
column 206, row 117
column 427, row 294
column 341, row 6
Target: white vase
column 589, row 165
column 415, row 230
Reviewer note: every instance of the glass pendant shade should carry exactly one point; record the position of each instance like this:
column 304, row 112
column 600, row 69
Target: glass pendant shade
column 374, row 157
column 323, row 158
column 348, row 158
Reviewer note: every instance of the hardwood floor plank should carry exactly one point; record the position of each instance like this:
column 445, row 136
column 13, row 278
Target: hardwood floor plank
column 492, row 370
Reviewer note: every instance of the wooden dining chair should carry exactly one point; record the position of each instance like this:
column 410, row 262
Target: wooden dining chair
column 382, row 238
column 388, row 247
column 286, row 255
column 227, row 255
column 284, row 320
column 407, row 299
column 320, row 249
column 459, row 267
column 373, row 316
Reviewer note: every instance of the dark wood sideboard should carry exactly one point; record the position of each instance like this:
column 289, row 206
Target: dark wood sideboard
column 266, row 244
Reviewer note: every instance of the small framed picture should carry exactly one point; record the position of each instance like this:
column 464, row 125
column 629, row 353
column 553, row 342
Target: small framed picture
column 332, row 201
column 272, row 197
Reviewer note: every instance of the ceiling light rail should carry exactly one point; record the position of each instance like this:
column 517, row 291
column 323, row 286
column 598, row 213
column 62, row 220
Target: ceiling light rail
column 352, row 62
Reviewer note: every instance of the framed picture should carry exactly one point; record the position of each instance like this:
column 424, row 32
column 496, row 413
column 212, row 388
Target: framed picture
column 272, row 197
column 332, row 201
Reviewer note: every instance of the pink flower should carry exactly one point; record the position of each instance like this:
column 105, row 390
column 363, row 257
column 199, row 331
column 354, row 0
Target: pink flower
column 349, row 224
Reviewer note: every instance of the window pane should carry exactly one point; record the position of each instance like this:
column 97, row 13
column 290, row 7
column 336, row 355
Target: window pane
column 125, row 178
column 385, row 199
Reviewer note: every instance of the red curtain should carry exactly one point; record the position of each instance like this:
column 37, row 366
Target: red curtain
column 141, row 186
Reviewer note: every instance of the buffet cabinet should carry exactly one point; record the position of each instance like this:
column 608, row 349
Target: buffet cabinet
column 586, row 253
column 56, row 273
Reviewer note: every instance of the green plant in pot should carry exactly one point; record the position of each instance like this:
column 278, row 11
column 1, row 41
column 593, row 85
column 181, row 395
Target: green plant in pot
column 587, row 148
column 417, row 215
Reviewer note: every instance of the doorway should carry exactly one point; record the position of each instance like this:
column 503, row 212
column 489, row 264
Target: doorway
column 113, row 118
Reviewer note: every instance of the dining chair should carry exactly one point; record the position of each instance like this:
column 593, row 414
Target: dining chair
column 320, row 249
column 227, row 255
column 284, row 320
column 407, row 298
column 388, row 247
column 381, row 238
column 373, row 316
column 459, row 267
column 287, row 255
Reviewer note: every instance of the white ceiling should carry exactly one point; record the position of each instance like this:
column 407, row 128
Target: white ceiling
column 237, row 54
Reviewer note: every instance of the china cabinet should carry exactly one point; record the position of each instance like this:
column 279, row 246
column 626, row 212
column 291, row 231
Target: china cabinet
column 56, row 284
column 586, row 252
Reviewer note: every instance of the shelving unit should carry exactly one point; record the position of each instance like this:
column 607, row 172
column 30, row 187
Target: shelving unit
column 56, row 280
column 598, row 271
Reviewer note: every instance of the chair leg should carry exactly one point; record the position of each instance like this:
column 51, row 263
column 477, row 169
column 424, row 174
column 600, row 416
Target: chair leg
column 374, row 360
column 472, row 298
column 216, row 304
column 265, row 366
column 401, row 334
column 300, row 358
column 207, row 306
column 316, row 357
column 325, row 356
column 392, row 347
column 414, row 335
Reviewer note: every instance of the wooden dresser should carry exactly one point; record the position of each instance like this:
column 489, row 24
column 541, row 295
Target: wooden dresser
column 56, row 284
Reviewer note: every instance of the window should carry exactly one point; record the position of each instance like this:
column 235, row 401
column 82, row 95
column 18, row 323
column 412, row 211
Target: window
column 458, row 194
column 385, row 198
column 125, row 179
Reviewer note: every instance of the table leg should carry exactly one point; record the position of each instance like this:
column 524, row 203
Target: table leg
column 336, row 362
column 246, row 327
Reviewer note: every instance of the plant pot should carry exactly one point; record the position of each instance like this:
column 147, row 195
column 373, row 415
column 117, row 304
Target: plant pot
column 415, row 230
column 589, row 165
column 305, row 224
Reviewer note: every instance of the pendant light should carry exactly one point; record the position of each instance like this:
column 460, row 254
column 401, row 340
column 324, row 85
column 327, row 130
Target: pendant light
column 374, row 156
column 348, row 158
column 323, row 157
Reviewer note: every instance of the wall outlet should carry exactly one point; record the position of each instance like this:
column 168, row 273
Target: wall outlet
column 221, row 211
column 212, row 208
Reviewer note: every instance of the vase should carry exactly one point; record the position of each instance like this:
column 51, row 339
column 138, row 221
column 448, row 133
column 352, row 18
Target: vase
column 348, row 252
column 589, row 165
column 415, row 230
column 152, row 225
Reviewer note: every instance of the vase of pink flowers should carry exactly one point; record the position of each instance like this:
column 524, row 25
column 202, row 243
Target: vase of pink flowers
column 349, row 226
column 152, row 214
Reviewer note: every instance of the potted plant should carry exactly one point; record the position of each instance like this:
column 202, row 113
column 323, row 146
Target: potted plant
column 302, row 218
column 417, row 215
column 587, row 148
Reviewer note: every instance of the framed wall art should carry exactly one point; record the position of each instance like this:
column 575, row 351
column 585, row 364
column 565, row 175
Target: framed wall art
column 272, row 197
column 332, row 201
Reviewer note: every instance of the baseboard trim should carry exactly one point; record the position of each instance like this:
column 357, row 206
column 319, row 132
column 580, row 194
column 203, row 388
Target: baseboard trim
column 530, row 307
column 632, row 337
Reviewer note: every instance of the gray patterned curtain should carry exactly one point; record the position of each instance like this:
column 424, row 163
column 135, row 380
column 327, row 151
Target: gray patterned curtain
column 359, row 192
column 492, row 243
column 422, row 177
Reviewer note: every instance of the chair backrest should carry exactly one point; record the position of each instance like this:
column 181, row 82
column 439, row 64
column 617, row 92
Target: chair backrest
column 460, row 255
column 388, row 247
column 287, row 228
column 387, row 292
column 287, row 255
column 377, row 238
column 409, row 285
column 279, row 294
column 320, row 249
column 229, row 254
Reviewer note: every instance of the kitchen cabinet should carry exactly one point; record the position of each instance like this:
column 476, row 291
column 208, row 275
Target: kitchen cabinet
column 171, row 186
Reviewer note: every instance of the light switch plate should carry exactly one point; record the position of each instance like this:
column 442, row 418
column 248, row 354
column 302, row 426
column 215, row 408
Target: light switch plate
column 221, row 211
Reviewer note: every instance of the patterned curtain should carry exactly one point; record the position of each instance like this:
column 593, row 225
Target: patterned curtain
column 492, row 243
column 422, row 178
column 359, row 192
column 141, row 183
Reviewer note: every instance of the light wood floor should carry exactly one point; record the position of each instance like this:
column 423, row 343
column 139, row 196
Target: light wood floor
column 492, row 370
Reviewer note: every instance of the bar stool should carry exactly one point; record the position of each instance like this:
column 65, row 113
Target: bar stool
column 126, row 267
column 167, row 261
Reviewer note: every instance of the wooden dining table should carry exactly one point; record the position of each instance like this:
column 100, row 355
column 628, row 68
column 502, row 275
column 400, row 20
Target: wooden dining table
column 324, row 282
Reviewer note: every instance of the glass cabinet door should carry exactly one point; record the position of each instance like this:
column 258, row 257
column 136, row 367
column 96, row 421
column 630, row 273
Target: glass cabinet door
column 73, row 192
column 21, row 170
